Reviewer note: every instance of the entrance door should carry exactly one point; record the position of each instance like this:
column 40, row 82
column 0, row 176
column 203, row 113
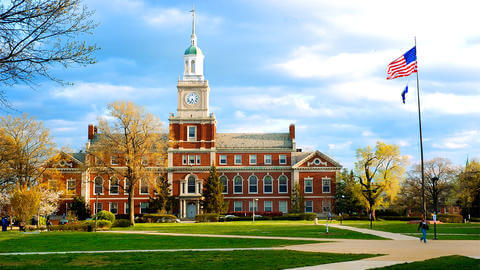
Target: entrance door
column 191, row 210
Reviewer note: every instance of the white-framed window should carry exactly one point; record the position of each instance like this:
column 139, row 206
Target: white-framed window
column 114, row 208
column 71, row 186
column 308, row 206
column 237, row 184
column 98, row 189
column 282, row 206
column 326, row 185
column 308, row 182
column 143, row 207
column 191, row 184
column 326, row 206
column 268, row 159
column 184, row 159
column 192, row 133
column 198, row 159
column 267, row 206
column 250, row 205
column 191, row 159
column 253, row 184
column 282, row 159
column 237, row 206
column 253, row 159
column 282, row 184
column 113, row 160
column 268, row 184
column 222, row 160
column 238, row 159
column 143, row 186
column 126, row 185
column 127, row 208
column 114, row 185
column 98, row 207
column 224, row 181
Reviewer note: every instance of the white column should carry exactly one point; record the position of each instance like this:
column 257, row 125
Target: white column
column 198, row 207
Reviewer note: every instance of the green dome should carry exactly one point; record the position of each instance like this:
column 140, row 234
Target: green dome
column 193, row 50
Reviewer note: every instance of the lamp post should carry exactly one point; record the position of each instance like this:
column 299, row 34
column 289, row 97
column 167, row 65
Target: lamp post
column 435, row 205
column 253, row 209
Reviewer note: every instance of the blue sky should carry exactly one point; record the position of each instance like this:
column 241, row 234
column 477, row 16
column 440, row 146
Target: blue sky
column 318, row 64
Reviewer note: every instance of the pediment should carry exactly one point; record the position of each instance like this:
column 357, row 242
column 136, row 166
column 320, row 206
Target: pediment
column 317, row 159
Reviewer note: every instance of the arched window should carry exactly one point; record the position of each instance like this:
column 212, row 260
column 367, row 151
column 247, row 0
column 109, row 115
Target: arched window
column 98, row 189
column 193, row 66
column 282, row 184
column 268, row 184
column 114, row 185
column 224, row 181
column 191, row 184
column 253, row 184
column 238, row 184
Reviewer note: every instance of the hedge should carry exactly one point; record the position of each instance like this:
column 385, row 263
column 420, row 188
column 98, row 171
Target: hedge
column 122, row 223
column 83, row 226
column 296, row 216
column 450, row 218
column 401, row 218
column 249, row 214
column 208, row 217
column 157, row 218
column 105, row 215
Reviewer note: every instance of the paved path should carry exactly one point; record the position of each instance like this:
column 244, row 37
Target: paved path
column 388, row 235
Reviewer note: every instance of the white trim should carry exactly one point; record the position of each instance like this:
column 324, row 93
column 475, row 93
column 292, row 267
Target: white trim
column 249, row 184
column 255, row 205
column 94, row 185
column 279, row 159
column 313, row 210
column 234, row 191
column 220, row 178
column 191, row 139
column 141, row 207
column 184, row 159
column 265, row 159
column 190, row 159
column 272, row 181
column 305, row 184
column 264, row 206
column 140, row 187
column 220, row 160
column 320, row 197
column 278, row 184
column 110, row 186
column 250, row 159
column 241, row 206
column 74, row 186
column 329, row 184
column 198, row 159
column 110, row 207
column 286, row 206
column 256, row 197
column 235, row 159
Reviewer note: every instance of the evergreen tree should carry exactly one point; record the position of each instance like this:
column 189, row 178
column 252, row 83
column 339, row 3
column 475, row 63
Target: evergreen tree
column 297, row 200
column 346, row 202
column 160, row 203
column 212, row 193
column 80, row 208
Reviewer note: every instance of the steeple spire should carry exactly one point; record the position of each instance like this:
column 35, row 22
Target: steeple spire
column 193, row 37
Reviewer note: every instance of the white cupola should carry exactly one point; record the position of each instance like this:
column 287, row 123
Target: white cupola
column 193, row 58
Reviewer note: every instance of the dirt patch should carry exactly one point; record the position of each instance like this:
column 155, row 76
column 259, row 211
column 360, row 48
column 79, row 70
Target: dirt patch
column 20, row 263
column 89, row 260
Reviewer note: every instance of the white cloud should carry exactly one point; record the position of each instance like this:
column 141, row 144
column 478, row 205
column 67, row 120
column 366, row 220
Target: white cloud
column 340, row 146
column 459, row 140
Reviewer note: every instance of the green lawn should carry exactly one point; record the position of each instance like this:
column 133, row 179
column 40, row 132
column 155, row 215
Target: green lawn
column 267, row 259
column 446, row 231
column 448, row 262
column 259, row 228
column 65, row 241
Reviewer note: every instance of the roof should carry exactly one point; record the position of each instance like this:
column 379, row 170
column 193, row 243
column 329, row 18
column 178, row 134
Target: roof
column 193, row 50
column 80, row 156
column 253, row 140
column 300, row 156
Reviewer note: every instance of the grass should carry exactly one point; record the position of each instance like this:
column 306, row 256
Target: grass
column 445, row 231
column 259, row 228
column 267, row 259
column 68, row 241
column 447, row 262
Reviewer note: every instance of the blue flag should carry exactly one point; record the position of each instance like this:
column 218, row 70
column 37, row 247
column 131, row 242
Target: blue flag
column 404, row 92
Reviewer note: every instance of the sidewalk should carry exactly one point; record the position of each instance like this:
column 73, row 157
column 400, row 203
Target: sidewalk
column 388, row 235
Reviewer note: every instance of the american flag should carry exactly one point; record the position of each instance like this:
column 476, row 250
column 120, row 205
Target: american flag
column 404, row 65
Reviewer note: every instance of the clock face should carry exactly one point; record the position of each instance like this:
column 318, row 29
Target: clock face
column 191, row 99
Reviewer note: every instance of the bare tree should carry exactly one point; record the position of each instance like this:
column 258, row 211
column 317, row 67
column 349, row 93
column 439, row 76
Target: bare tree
column 131, row 134
column 36, row 34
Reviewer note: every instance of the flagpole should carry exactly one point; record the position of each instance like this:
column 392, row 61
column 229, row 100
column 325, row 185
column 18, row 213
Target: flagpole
column 424, row 206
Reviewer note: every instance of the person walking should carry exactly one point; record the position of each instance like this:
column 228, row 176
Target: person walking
column 423, row 225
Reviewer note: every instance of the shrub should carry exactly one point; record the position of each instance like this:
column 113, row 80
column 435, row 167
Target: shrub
column 122, row 223
column 160, row 218
column 209, row 217
column 105, row 215
column 401, row 218
column 68, row 227
column 102, row 224
column 249, row 213
column 450, row 218
column 475, row 219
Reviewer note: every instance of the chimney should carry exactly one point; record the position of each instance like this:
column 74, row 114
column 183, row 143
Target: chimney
column 292, row 131
column 92, row 130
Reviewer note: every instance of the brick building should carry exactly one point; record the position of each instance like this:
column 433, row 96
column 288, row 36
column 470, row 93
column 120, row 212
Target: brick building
column 262, row 166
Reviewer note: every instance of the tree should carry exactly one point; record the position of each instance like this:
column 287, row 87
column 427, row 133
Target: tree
column 161, row 202
column 378, row 174
column 25, row 201
column 4, row 201
column 212, row 193
column 467, row 189
column 80, row 208
column 133, row 133
column 37, row 34
column 49, row 201
column 346, row 201
column 411, row 191
column 297, row 200
column 26, row 149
